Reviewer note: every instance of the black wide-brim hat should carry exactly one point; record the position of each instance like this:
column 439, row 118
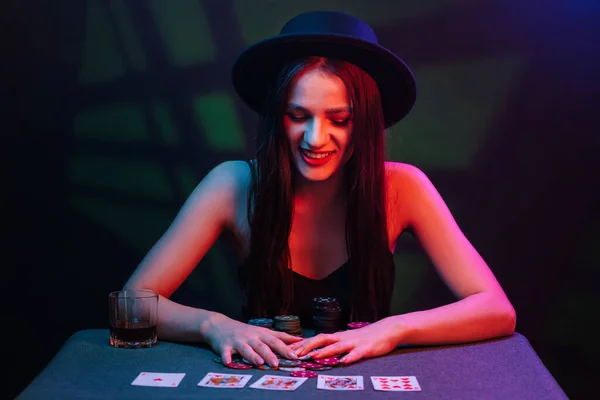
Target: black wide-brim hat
column 329, row 34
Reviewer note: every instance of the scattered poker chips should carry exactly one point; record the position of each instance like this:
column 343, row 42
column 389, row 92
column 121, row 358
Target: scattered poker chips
column 330, row 361
column 304, row 374
column 233, row 359
column 289, row 324
column 284, row 362
column 264, row 322
column 327, row 314
column 265, row 367
column 321, row 368
column 238, row 365
column 309, row 365
column 357, row 325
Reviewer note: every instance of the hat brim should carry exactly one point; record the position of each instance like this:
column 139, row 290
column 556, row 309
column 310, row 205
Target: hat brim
column 255, row 68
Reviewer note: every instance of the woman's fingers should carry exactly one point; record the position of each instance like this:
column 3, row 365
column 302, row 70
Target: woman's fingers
column 315, row 342
column 225, row 354
column 265, row 352
column 279, row 347
column 332, row 350
column 247, row 352
column 286, row 337
column 296, row 345
column 353, row 356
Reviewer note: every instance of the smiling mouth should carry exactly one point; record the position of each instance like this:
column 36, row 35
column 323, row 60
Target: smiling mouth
column 316, row 156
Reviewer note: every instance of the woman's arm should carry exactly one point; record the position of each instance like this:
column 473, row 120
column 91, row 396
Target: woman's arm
column 209, row 209
column 483, row 309
column 195, row 229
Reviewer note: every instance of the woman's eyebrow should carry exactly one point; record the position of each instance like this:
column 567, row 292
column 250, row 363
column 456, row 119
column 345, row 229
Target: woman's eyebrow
column 336, row 110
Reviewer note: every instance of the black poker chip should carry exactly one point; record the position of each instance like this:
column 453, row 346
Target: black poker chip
column 327, row 314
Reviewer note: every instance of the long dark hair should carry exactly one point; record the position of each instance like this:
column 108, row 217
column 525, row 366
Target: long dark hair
column 266, row 277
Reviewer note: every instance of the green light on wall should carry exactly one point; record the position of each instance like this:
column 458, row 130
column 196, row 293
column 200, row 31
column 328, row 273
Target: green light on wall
column 139, row 226
column 131, row 42
column 216, row 114
column 187, row 180
column 121, row 176
column 185, row 30
column 114, row 122
column 262, row 18
column 451, row 117
column 101, row 58
column 164, row 119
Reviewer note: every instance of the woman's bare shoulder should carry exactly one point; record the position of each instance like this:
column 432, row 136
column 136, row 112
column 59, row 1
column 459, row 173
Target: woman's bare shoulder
column 399, row 170
column 402, row 183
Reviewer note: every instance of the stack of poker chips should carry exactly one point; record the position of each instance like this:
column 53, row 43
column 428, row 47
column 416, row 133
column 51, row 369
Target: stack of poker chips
column 264, row 322
column 327, row 314
column 289, row 324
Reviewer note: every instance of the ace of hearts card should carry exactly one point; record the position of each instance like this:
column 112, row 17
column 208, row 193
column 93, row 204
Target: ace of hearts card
column 158, row 379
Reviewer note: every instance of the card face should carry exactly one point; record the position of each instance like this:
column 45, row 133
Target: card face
column 217, row 380
column 158, row 379
column 277, row 382
column 396, row 383
column 331, row 382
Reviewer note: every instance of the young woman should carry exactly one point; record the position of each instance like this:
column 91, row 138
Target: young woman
column 319, row 209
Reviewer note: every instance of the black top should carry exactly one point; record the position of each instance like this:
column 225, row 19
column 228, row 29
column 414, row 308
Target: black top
column 335, row 285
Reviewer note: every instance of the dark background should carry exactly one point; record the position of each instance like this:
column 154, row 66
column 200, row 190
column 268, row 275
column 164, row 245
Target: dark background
column 116, row 109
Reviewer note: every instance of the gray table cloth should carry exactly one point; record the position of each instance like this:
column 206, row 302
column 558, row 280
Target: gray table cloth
column 87, row 367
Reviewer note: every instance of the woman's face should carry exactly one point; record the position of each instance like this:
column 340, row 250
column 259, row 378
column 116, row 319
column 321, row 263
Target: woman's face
column 318, row 124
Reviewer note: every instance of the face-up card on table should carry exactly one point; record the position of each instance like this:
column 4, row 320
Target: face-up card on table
column 158, row 379
column 218, row 380
column 396, row 383
column 278, row 382
column 332, row 382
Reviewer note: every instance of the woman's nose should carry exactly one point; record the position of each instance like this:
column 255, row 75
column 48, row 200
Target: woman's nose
column 316, row 135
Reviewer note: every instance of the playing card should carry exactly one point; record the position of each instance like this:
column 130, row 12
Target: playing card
column 278, row 382
column 331, row 382
column 213, row 379
column 158, row 379
column 396, row 383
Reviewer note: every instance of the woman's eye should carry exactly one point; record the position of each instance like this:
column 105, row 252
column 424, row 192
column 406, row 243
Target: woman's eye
column 296, row 117
column 342, row 122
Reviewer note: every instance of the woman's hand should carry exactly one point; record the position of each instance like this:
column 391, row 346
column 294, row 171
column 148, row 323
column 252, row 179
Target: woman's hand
column 256, row 344
column 372, row 340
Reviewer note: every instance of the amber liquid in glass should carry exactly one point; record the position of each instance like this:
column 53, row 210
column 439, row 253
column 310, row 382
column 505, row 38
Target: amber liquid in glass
column 131, row 335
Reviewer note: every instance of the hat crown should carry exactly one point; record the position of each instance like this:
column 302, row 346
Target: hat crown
column 329, row 23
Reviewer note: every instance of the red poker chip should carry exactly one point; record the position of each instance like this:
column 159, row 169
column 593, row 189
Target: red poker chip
column 238, row 365
column 357, row 325
column 304, row 374
column 309, row 365
column 328, row 361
